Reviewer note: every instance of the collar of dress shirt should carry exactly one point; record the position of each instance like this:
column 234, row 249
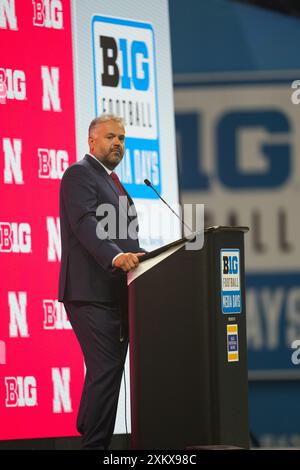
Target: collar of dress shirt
column 107, row 169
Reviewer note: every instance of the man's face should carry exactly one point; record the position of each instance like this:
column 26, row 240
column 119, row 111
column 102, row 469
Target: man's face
column 106, row 142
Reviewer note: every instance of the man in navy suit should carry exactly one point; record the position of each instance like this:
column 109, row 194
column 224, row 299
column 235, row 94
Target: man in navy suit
column 93, row 290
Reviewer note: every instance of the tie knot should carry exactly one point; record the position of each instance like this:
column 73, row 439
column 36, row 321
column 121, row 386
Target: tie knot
column 118, row 182
column 115, row 176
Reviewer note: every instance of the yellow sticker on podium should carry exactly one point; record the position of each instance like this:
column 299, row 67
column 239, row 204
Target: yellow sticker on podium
column 232, row 343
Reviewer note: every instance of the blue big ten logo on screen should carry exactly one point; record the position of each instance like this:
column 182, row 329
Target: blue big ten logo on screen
column 271, row 152
column 230, row 281
column 125, row 84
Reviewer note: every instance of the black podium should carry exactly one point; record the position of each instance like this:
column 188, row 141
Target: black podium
column 188, row 353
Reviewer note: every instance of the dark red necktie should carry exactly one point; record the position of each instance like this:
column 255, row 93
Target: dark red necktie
column 118, row 183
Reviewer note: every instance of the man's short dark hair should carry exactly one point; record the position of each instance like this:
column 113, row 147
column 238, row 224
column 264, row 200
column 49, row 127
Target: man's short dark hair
column 104, row 118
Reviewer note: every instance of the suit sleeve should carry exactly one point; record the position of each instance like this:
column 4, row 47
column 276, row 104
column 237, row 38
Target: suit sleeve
column 79, row 195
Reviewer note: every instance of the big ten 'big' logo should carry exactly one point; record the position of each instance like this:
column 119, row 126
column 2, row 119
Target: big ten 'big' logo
column 125, row 84
column 48, row 13
column 265, row 133
column 12, row 85
column 230, row 281
column 124, row 70
column 52, row 163
column 15, row 237
column 20, row 391
column 55, row 317
column 230, row 264
column 122, row 53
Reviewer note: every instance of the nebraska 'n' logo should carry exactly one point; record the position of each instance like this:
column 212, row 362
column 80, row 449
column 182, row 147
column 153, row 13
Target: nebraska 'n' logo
column 18, row 325
column 50, row 79
column 54, row 244
column 61, row 379
column 8, row 19
column 12, row 150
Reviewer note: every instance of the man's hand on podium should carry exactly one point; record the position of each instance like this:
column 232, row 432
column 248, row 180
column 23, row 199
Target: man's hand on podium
column 127, row 261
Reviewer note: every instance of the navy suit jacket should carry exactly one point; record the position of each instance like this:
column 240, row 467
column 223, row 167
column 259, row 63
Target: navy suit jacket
column 86, row 272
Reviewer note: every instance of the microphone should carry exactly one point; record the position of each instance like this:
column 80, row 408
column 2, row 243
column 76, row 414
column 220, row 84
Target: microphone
column 148, row 183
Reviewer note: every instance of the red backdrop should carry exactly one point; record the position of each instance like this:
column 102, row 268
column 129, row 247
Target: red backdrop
column 41, row 367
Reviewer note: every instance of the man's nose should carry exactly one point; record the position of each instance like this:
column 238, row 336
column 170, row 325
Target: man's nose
column 117, row 141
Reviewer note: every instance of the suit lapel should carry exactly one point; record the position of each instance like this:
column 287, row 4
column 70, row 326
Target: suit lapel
column 99, row 168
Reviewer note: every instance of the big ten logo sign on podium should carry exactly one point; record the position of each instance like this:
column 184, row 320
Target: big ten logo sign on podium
column 230, row 281
column 238, row 154
column 125, row 84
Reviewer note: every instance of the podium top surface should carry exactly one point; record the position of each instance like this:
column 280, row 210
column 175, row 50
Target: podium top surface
column 213, row 229
column 226, row 228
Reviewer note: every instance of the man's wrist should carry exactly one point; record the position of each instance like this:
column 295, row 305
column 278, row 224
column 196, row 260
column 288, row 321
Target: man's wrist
column 114, row 259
